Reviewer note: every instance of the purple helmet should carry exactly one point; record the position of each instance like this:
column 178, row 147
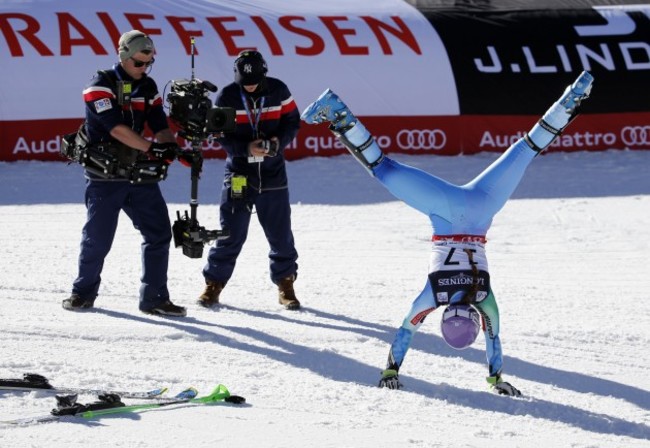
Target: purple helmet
column 460, row 325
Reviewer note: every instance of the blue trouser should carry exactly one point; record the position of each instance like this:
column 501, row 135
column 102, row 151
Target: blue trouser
column 274, row 214
column 147, row 209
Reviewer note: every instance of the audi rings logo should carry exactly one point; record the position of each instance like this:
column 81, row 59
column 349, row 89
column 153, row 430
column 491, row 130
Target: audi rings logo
column 421, row 139
column 636, row 135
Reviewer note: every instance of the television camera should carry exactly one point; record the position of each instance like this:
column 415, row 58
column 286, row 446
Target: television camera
column 190, row 108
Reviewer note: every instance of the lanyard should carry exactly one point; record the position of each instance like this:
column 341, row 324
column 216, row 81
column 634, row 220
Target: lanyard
column 253, row 119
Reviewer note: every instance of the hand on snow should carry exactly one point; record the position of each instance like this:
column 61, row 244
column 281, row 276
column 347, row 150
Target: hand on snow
column 390, row 379
column 498, row 386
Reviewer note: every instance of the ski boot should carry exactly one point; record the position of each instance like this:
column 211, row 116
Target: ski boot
column 561, row 113
column 329, row 108
column 347, row 128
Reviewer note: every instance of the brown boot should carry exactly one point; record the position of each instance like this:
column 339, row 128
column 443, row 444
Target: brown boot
column 286, row 293
column 210, row 296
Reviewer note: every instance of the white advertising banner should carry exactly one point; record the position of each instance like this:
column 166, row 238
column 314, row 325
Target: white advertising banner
column 50, row 49
column 448, row 80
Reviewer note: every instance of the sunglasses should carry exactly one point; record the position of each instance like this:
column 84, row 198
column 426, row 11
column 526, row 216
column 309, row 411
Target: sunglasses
column 139, row 64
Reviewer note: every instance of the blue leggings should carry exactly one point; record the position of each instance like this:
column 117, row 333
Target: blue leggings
column 453, row 209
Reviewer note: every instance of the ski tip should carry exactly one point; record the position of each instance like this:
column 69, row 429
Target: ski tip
column 157, row 392
column 187, row 394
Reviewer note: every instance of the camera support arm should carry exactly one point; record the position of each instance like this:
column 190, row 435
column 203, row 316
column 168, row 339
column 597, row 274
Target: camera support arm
column 186, row 229
column 196, row 167
column 187, row 99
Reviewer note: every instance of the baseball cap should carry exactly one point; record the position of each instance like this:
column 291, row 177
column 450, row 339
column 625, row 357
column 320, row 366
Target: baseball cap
column 133, row 42
column 250, row 68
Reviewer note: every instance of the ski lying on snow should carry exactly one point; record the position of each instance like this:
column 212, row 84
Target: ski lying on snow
column 109, row 404
column 35, row 382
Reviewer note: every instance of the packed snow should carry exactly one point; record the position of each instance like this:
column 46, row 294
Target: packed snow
column 568, row 258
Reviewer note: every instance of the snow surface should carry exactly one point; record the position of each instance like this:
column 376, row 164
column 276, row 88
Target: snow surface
column 568, row 257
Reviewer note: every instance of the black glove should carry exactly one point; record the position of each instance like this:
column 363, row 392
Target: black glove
column 270, row 147
column 186, row 158
column 164, row 151
column 498, row 386
column 390, row 379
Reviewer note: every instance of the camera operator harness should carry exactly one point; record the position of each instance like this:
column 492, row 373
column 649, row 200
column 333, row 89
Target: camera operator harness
column 113, row 160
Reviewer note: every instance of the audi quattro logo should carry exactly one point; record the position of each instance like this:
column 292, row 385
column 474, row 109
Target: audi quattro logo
column 636, row 136
column 421, row 139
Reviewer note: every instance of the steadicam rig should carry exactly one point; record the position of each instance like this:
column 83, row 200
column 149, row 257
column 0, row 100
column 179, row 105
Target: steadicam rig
column 189, row 235
column 191, row 109
column 187, row 232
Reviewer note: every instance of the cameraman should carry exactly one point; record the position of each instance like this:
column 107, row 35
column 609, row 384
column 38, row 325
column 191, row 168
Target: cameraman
column 255, row 177
column 119, row 102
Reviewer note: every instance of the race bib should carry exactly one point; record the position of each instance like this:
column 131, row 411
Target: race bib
column 459, row 286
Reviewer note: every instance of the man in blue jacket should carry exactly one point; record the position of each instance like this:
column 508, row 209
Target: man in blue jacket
column 119, row 103
column 255, row 178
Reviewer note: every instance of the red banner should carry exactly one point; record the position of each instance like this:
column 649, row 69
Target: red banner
column 467, row 134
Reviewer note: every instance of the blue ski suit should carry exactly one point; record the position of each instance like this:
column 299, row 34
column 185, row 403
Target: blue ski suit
column 460, row 218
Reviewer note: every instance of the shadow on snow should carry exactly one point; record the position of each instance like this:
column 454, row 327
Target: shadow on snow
column 347, row 370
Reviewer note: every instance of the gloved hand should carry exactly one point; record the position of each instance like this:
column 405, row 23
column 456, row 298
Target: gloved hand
column 498, row 386
column 390, row 379
column 164, row 151
column 186, row 158
column 270, row 147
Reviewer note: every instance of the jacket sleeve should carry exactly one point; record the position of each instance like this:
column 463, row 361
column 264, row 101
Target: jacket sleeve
column 289, row 118
column 234, row 143
column 156, row 117
column 101, row 104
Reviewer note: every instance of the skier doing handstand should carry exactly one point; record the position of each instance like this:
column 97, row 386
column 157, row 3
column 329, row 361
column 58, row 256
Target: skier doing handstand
column 459, row 277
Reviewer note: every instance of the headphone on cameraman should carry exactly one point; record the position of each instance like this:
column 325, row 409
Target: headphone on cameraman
column 123, row 45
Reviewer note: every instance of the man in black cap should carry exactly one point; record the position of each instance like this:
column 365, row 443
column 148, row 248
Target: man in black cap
column 119, row 103
column 255, row 178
